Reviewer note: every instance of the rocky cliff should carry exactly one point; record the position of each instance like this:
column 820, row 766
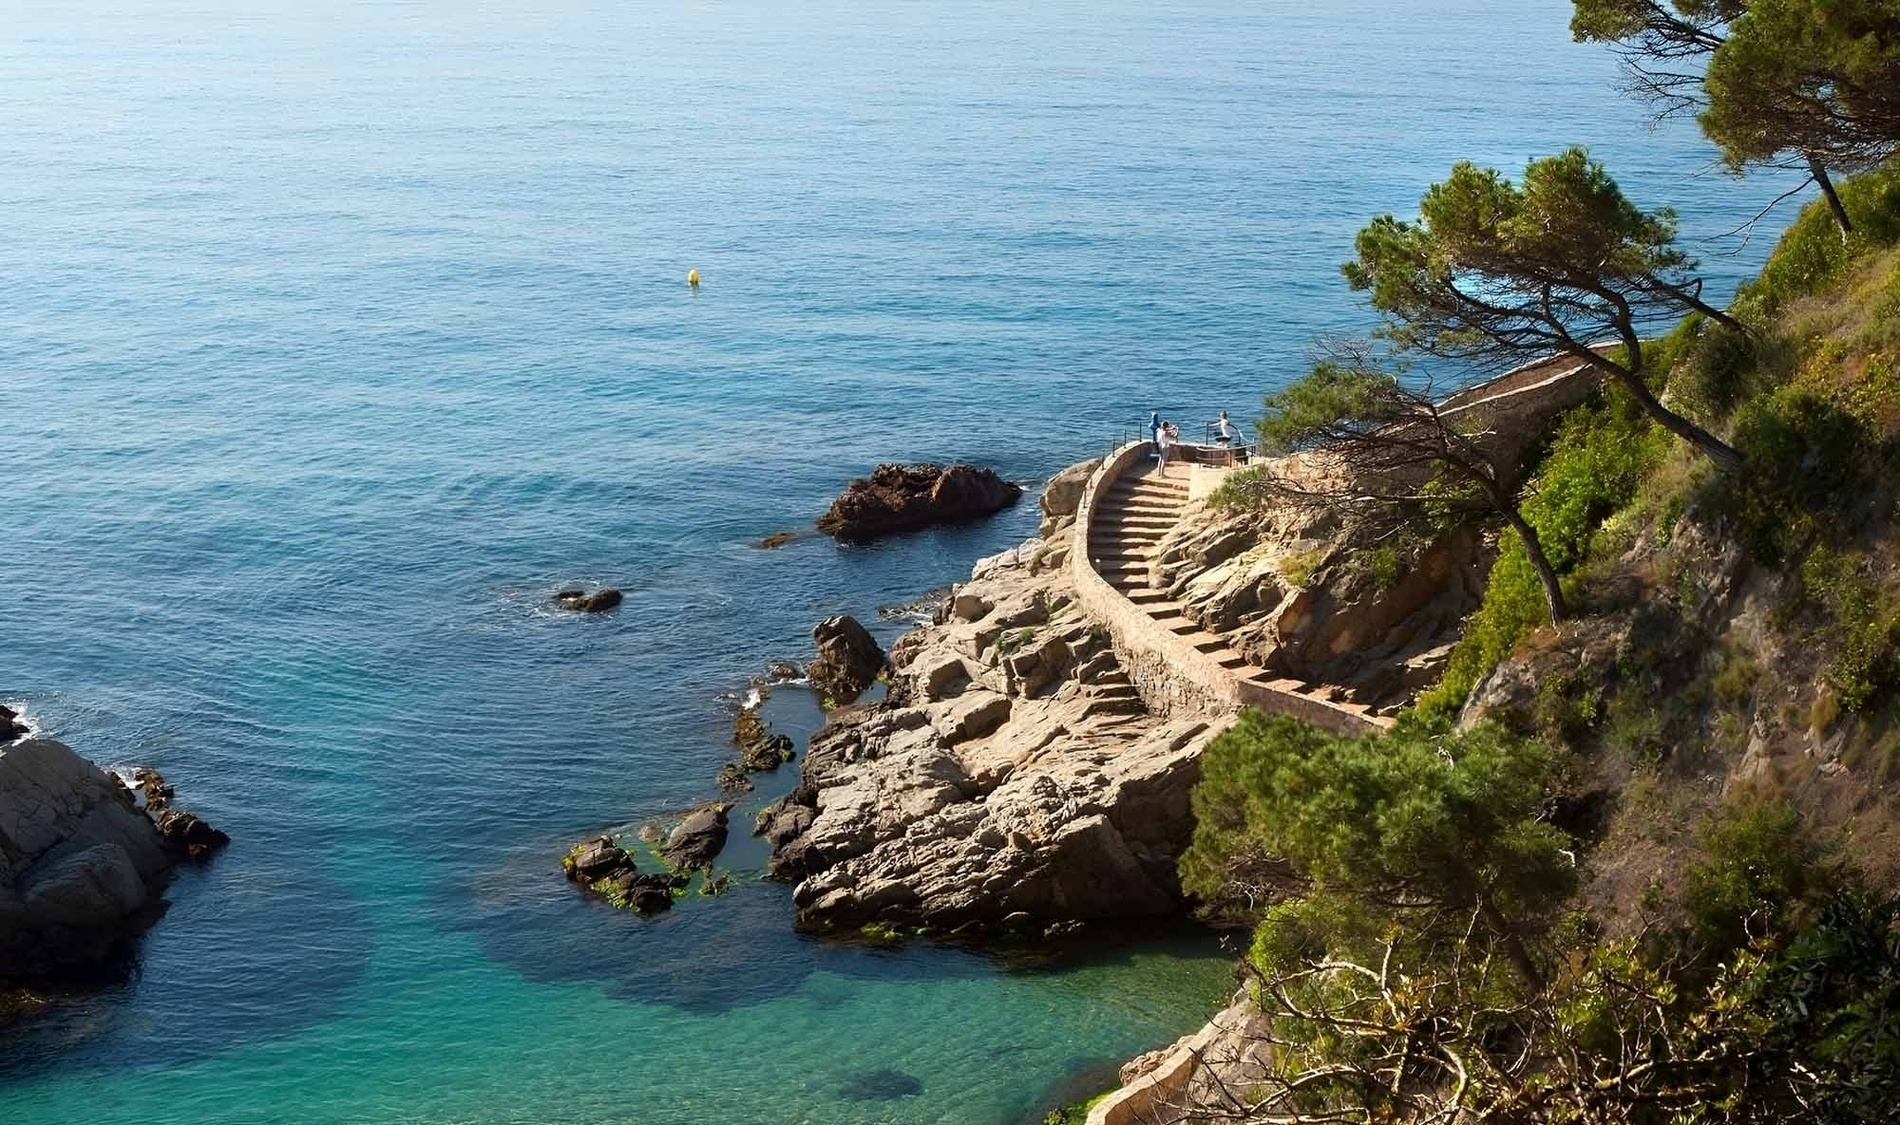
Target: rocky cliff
column 1011, row 780
column 1303, row 595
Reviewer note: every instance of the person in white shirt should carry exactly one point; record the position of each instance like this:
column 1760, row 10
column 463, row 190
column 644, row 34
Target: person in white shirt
column 1225, row 431
column 1170, row 435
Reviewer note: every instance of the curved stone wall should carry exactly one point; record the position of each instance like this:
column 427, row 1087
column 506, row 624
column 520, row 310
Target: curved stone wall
column 1170, row 674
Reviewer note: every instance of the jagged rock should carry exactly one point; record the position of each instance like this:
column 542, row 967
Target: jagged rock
column 783, row 672
column 991, row 790
column 604, row 868
column 698, row 839
column 185, row 833
column 849, row 659
column 1062, row 496
column 597, row 859
column 11, row 727
column 899, row 498
column 767, row 754
column 81, row 868
column 585, row 601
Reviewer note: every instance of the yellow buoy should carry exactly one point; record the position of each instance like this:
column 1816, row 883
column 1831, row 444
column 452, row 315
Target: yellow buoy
column 692, row 278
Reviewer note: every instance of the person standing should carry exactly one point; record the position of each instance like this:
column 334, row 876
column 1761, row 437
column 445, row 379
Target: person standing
column 1165, row 441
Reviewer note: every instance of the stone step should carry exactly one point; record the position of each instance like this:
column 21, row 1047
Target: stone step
column 1152, row 484
column 1096, row 707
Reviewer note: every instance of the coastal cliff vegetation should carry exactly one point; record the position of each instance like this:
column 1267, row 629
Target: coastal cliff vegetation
column 1635, row 856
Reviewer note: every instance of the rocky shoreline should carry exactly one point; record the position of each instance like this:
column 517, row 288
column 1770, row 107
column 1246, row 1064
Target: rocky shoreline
column 1011, row 782
column 84, row 858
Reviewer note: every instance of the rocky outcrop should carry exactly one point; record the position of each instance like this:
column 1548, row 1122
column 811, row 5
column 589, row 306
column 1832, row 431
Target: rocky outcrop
column 1202, row 1078
column 1011, row 780
column 1299, row 593
column 183, row 832
column 1062, row 496
column 11, row 726
column 900, row 498
column 608, row 870
column 849, row 660
column 81, row 866
column 588, row 601
column 698, row 839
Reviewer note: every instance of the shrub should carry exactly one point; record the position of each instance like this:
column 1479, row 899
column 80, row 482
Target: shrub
column 1595, row 465
column 1811, row 253
column 1807, row 462
column 1757, row 866
column 1432, row 819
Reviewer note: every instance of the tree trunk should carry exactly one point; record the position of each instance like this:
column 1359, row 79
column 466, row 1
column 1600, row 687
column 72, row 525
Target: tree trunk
column 1534, row 547
column 1826, row 184
column 1717, row 450
column 1513, row 944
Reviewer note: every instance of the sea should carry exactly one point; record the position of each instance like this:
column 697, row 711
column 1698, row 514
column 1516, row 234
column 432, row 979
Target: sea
column 336, row 335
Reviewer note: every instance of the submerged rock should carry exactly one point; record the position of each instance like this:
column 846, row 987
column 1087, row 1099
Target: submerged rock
column 900, row 498
column 849, row 660
column 885, row 1085
column 585, row 601
column 767, row 754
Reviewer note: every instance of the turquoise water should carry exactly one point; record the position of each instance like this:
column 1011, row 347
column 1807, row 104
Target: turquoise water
column 334, row 335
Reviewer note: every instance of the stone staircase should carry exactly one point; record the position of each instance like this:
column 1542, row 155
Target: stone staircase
column 1124, row 537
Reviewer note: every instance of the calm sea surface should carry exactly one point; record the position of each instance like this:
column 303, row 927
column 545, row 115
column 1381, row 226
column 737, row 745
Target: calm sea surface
column 334, row 335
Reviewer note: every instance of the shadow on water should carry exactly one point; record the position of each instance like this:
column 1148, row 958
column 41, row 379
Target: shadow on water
column 230, row 973
column 716, row 954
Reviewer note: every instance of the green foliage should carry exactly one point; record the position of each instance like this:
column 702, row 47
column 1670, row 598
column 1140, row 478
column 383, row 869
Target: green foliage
column 1711, row 369
column 1806, row 77
column 1332, row 395
column 1808, row 460
column 1445, row 822
column 1492, row 269
column 1298, row 569
column 1860, row 619
column 1381, row 564
column 1013, row 640
column 1811, row 254
column 1596, row 463
column 1075, row 1113
column 1757, row 867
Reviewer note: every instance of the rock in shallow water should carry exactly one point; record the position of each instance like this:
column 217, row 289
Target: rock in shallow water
column 885, row 1085
column 899, row 498
column 606, row 869
column 849, row 660
column 585, row 601
column 698, row 839
column 10, row 725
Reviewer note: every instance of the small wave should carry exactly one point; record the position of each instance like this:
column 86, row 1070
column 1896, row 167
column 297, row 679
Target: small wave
column 922, row 610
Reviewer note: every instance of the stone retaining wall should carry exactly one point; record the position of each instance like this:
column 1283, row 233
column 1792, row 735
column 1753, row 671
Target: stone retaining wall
column 1171, row 675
